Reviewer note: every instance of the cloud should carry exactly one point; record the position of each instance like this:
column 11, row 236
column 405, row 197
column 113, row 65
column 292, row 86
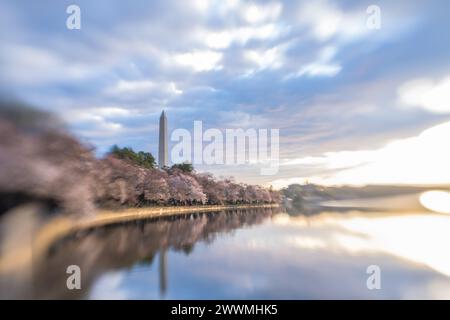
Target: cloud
column 252, row 21
column 322, row 67
column 250, row 12
column 319, row 70
column 133, row 86
column 221, row 6
column 324, row 19
column 200, row 60
column 422, row 159
column 241, row 35
column 433, row 96
column 98, row 121
column 218, row 40
column 253, row 13
column 228, row 60
column 335, row 160
column 240, row 119
column 30, row 65
column 327, row 20
column 110, row 111
column 271, row 58
column 143, row 86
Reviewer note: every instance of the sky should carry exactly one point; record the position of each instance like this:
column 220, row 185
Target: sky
column 353, row 105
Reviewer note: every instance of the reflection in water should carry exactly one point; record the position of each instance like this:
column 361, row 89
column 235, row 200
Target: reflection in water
column 256, row 254
column 438, row 201
column 418, row 238
column 162, row 272
column 136, row 244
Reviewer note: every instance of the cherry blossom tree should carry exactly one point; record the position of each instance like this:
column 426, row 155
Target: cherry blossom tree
column 155, row 187
column 214, row 190
column 184, row 189
column 52, row 167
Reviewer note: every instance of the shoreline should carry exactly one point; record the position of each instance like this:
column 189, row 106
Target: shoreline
column 62, row 226
column 105, row 217
column 57, row 228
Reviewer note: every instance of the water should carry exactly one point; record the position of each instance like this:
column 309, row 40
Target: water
column 256, row 254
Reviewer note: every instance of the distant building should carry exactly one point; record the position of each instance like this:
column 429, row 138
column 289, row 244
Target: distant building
column 163, row 158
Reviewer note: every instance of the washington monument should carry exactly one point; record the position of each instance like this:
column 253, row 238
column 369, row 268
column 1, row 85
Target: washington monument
column 163, row 146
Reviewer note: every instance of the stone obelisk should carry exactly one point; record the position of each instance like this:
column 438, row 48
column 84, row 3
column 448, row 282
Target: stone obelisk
column 163, row 159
